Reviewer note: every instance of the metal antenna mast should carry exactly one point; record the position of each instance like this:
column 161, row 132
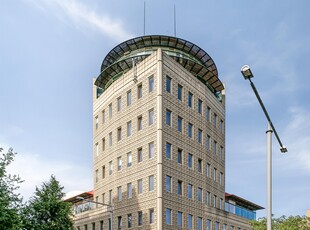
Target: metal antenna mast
column 175, row 22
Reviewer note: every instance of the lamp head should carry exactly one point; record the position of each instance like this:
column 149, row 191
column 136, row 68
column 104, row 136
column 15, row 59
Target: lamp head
column 283, row 149
column 80, row 198
column 246, row 72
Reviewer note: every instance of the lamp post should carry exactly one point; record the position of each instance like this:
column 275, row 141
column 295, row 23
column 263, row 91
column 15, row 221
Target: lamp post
column 103, row 204
column 247, row 74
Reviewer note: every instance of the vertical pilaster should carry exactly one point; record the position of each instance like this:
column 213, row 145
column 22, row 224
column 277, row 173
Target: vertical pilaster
column 159, row 140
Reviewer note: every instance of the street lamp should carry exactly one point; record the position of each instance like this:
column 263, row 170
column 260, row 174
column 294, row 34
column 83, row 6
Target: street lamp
column 247, row 74
column 103, row 204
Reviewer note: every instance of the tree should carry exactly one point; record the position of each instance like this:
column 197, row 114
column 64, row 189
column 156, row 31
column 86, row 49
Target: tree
column 10, row 201
column 47, row 210
column 283, row 223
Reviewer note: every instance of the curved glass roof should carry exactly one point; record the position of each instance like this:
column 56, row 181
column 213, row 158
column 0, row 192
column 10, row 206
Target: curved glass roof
column 190, row 56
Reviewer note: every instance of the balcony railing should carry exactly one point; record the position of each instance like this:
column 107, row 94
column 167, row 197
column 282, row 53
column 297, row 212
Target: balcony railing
column 240, row 211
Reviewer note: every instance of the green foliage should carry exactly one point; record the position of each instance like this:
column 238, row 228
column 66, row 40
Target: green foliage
column 283, row 223
column 10, row 201
column 47, row 210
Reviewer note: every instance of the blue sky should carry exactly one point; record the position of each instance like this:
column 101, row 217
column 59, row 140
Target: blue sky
column 51, row 49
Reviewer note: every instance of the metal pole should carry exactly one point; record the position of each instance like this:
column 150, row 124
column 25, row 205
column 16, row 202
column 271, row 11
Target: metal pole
column 269, row 176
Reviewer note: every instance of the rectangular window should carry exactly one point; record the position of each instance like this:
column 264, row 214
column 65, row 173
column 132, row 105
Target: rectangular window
column 96, row 175
column 190, row 130
column 180, row 157
column 199, row 165
column 214, row 147
column 110, row 139
column 103, row 197
column 215, row 120
column 110, row 167
column 152, row 216
column 129, row 159
column 119, row 104
column 129, row 190
column 199, row 136
column 119, row 134
column 119, row 163
column 208, row 197
column 119, row 193
column 168, row 183
column 199, row 106
column 97, row 122
column 103, row 116
column 190, row 221
column 110, row 196
column 151, row 84
column 180, row 121
column 180, row 219
column 190, row 100
column 140, row 187
column 151, row 117
column 168, row 84
column 129, row 130
column 151, row 150
column 208, row 224
column 221, row 178
column 168, row 150
column 190, row 160
column 221, row 126
column 140, row 155
column 139, row 91
column 168, row 117
column 139, row 123
column 139, row 218
column 180, row 187
column 208, row 112
column 168, row 216
column 190, row 191
column 110, row 110
column 103, row 144
column 103, row 172
column 93, row 226
column 97, row 149
column 199, row 194
column 208, row 142
column 214, row 174
column 208, row 170
column 214, row 201
column 199, row 223
column 221, row 203
column 180, row 88
column 101, row 225
column 217, row 225
column 129, row 220
column 224, row 227
column 221, row 153
column 119, row 223
column 151, row 183
column 129, row 98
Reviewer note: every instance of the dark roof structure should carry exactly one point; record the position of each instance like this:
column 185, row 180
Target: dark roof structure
column 242, row 202
column 122, row 58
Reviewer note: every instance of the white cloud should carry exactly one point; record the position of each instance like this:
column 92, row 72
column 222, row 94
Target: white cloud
column 34, row 170
column 84, row 17
column 297, row 135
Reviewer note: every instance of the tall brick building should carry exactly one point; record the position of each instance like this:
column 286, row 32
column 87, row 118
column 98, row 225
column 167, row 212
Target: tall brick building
column 159, row 141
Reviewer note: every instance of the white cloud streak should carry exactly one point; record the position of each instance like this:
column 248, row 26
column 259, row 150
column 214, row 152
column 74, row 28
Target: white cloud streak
column 35, row 170
column 298, row 137
column 84, row 17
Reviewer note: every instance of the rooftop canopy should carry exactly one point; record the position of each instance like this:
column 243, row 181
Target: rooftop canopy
column 121, row 58
column 242, row 202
